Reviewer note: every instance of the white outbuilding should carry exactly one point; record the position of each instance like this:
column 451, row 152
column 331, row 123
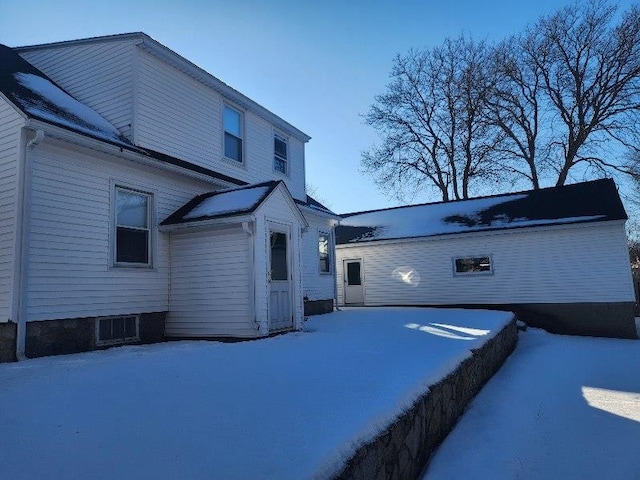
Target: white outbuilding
column 557, row 256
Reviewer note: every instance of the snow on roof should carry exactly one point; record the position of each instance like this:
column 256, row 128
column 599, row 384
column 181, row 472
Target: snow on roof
column 39, row 97
column 224, row 203
column 229, row 202
column 583, row 202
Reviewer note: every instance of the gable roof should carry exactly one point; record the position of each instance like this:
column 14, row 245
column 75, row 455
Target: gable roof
column 39, row 97
column 594, row 201
column 187, row 67
column 223, row 203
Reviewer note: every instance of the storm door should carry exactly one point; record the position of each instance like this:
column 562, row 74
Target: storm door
column 279, row 276
column 353, row 287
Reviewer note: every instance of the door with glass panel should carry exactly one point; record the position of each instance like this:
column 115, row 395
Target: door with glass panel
column 279, row 276
column 353, row 287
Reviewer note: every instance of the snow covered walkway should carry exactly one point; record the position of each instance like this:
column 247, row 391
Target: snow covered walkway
column 560, row 408
column 293, row 406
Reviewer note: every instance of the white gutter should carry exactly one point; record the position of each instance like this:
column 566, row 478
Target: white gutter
column 247, row 227
column 22, row 239
column 203, row 224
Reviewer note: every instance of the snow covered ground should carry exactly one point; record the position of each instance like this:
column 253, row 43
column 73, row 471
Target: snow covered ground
column 561, row 407
column 292, row 406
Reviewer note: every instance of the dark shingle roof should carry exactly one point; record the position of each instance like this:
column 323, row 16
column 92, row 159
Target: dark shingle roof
column 39, row 97
column 594, row 201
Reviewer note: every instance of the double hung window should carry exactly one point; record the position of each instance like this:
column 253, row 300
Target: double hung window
column 324, row 248
column 132, row 227
column 279, row 153
column 233, row 130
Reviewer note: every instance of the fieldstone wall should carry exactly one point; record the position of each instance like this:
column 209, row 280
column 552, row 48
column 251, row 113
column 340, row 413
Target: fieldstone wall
column 8, row 342
column 403, row 450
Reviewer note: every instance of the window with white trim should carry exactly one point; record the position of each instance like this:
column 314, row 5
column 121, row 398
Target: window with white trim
column 280, row 153
column 324, row 249
column 233, row 129
column 132, row 227
column 472, row 265
column 110, row 330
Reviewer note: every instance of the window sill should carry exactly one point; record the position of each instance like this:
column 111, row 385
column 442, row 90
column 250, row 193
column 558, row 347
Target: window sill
column 132, row 266
column 232, row 161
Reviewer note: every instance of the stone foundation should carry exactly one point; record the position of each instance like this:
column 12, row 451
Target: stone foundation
column 74, row 335
column 591, row 319
column 317, row 307
column 8, row 342
column 403, row 450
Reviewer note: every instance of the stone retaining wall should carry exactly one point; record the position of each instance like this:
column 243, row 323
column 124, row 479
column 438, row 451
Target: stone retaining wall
column 403, row 450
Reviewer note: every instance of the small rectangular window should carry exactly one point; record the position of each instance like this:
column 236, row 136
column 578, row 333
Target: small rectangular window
column 323, row 250
column 480, row 264
column 280, row 153
column 132, row 227
column 111, row 330
column 233, row 127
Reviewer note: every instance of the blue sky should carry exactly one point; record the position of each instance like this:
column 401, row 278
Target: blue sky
column 316, row 64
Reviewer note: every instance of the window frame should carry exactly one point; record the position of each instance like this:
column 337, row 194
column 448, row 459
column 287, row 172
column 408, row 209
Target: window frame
column 285, row 139
column 241, row 113
column 117, row 341
column 329, row 249
column 456, row 273
column 114, row 227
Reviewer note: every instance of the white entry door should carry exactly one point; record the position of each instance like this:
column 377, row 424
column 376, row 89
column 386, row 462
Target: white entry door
column 280, row 310
column 353, row 288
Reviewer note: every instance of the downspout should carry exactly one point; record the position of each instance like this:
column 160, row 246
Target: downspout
column 335, row 268
column 22, row 229
column 247, row 227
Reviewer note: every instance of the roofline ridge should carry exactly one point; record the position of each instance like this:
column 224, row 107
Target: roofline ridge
column 459, row 200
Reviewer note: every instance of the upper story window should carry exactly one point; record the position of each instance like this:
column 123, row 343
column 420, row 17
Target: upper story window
column 280, row 153
column 324, row 243
column 233, row 128
column 132, row 227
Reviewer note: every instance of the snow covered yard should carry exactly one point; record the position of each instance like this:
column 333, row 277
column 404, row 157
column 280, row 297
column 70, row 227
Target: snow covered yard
column 293, row 406
column 560, row 407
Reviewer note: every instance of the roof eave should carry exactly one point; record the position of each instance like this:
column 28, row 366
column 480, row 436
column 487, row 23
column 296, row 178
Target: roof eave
column 207, row 223
column 482, row 231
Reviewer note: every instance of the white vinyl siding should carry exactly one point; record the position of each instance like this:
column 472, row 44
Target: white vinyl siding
column 69, row 262
column 210, row 284
column 99, row 74
column 565, row 264
column 179, row 116
column 10, row 124
column 317, row 285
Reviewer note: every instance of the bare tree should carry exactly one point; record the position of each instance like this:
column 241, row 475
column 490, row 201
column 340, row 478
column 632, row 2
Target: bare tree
column 558, row 98
column 432, row 120
column 570, row 90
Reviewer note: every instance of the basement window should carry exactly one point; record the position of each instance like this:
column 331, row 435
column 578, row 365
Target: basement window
column 472, row 265
column 113, row 330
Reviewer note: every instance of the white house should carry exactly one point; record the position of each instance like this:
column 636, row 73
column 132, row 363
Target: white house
column 557, row 256
column 143, row 198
